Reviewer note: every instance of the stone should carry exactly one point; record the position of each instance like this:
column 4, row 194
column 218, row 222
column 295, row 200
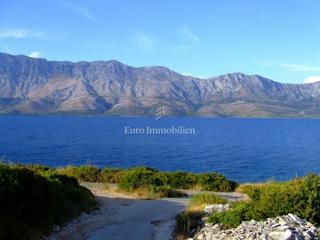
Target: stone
column 288, row 227
column 216, row 208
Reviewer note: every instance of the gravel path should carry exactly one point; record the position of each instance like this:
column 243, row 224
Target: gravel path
column 121, row 217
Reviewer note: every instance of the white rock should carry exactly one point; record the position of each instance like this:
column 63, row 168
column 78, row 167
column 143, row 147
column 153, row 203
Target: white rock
column 288, row 227
column 216, row 208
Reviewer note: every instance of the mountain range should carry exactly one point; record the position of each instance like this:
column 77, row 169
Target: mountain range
column 37, row 86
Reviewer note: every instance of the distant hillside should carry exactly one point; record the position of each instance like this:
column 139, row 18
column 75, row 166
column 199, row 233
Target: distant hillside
column 30, row 85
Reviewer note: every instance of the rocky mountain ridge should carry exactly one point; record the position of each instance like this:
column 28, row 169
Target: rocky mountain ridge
column 34, row 85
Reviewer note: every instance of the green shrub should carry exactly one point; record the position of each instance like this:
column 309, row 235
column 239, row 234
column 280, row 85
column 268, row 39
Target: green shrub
column 111, row 175
column 277, row 199
column 145, row 182
column 308, row 201
column 83, row 173
column 140, row 177
column 181, row 180
column 241, row 211
column 206, row 181
column 132, row 178
column 252, row 190
column 32, row 204
column 164, row 191
column 70, row 171
column 149, row 182
column 299, row 196
column 36, row 168
column 89, row 174
column 215, row 182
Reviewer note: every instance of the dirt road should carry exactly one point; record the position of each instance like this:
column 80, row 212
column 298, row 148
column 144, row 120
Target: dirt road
column 121, row 217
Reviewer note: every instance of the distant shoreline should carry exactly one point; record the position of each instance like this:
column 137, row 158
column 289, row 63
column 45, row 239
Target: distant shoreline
column 152, row 117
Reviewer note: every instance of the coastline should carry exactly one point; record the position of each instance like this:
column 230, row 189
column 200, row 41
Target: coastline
column 81, row 114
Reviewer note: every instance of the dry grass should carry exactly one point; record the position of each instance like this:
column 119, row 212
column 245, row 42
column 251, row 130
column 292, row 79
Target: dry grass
column 199, row 201
column 186, row 222
column 244, row 188
column 144, row 192
column 181, row 236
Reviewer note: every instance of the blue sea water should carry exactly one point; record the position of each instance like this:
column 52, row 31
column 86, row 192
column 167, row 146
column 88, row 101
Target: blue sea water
column 245, row 150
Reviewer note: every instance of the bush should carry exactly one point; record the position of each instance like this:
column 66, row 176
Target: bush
column 32, row 204
column 139, row 177
column 38, row 169
column 299, row 196
column 186, row 223
column 111, row 175
column 215, row 182
column 142, row 177
column 132, row 178
column 163, row 191
column 252, row 190
column 145, row 179
column 233, row 217
column 182, row 180
column 89, row 174
column 309, row 198
column 83, row 173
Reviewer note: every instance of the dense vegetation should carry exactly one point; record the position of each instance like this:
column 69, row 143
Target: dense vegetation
column 299, row 196
column 149, row 182
column 33, row 199
column 82, row 173
column 132, row 178
column 141, row 176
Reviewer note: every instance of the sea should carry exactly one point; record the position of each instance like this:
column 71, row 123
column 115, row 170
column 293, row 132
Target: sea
column 242, row 149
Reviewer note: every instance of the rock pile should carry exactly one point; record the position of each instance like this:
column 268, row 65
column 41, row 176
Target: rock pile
column 288, row 227
column 216, row 208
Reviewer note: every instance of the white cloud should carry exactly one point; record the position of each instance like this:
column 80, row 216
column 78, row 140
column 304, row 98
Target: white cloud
column 144, row 40
column 35, row 54
column 312, row 79
column 290, row 67
column 186, row 31
column 22, row 33
column 81, row 10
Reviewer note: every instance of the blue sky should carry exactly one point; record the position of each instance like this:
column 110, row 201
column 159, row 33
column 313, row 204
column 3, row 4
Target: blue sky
column 277, row 39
